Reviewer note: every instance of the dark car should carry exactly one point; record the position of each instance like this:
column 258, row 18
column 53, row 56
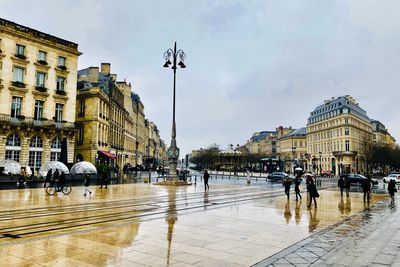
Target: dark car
column 358, row 179
column 277, row 176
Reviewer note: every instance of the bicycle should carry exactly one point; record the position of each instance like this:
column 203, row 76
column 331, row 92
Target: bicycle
column 52, row 189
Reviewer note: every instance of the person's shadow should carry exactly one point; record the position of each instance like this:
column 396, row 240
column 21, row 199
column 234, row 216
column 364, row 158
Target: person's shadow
column 297, row 212
column 313, row 220
column 287, row 214
column 205, row 200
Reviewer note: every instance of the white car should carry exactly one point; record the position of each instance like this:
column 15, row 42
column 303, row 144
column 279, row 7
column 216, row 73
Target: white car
column 392, row 176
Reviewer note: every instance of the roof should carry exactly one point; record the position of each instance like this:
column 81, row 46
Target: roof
column 298, row 132
column 262, row 135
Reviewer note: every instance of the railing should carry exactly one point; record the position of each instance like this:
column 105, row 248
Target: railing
column 21, row 120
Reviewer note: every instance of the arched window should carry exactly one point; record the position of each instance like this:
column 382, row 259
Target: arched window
column 13, row 147
column 55, row 150
column 35, row 152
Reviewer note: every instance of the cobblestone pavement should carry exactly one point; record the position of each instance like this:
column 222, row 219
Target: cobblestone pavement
column 368, row 238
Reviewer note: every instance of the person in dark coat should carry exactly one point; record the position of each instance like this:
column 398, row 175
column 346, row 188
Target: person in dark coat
column 87, row 185
column 313, row 193
column 103, row 179
column 297, row 183
column 48, row 177
column 347, row 186
column 61, row 180
column 341, row 184
column 392, row 188
column 206, row 177
column 287, row 182
column 366, row 186
column 56, row 176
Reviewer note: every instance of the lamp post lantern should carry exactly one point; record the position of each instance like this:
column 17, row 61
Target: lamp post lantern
column 320, row 168
column 173, row 150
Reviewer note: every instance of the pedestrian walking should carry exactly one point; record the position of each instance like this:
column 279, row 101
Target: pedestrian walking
column 103, row 179
column 297, row 183
column 48, row 177
column 313, row 193
column 341, row 184
column 347, row 185
column 287, row 182
column 366, row 186
column 248, row 176
column 205, row 178
column 87, row 185
column 392, row 188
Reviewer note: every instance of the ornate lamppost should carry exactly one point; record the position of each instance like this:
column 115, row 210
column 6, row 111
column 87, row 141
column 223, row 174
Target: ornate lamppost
column 173, row 150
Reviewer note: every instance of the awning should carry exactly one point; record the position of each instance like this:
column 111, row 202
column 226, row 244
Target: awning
column 108, row 154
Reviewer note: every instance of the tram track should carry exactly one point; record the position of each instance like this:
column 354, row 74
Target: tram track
column 118, row 211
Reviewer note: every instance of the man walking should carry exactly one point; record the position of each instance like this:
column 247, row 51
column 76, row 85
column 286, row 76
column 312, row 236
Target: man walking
column 313, row 193
column 341, row 185
column 87, row 184
column 287, row 182
column 206, row 177
column 103, row 179
column 367, row 187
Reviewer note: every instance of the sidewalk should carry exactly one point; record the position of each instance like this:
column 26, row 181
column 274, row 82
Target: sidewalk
column 368, row 238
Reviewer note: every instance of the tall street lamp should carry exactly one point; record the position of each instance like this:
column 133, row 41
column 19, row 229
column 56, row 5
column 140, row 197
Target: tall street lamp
column 173, row 150
column 320, row 168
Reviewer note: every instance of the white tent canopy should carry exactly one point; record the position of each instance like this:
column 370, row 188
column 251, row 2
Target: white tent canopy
column 53, row 165
column 10, row 167
column 83, row 167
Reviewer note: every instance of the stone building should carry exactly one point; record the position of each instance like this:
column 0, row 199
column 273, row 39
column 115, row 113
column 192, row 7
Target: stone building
column 337, row 134
column 381, row 135
column 38, row 75
column 292, row 149
column 263, row 143
column 100, row 117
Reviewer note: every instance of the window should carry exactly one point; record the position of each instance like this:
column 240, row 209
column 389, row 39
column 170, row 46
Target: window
column 13, row 148
column 346, row 131
column 19, row 74
column 16, row 106
column 35, row 153
column 55, row 150
column 20, row 50
column 40, row 76
column 347, row 145
column 82, row 108
column 61, row 62
column 38, row 115
column 42, row 56
column 60, row 83
column 80, row 134
column 59, row 112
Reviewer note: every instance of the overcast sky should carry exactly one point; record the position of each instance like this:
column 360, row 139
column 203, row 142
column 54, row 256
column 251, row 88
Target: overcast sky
column 251, row 65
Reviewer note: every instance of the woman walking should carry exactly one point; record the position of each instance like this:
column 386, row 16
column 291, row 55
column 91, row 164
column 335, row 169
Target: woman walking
column 87, row 185
column 297, row 182
column 287, row 182
column 313, row 193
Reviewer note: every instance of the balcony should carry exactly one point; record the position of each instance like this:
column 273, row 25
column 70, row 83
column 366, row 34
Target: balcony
column 28, row 121
column 62, row 67
column 18, row 84
column 61, row 92
column 41, row 89
column 42, row 62
column 20, row 56
column 342, row 153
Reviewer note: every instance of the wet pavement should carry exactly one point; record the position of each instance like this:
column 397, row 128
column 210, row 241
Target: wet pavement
column 232, row 224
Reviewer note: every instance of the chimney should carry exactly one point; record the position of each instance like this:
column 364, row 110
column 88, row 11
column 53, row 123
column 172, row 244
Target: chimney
column 93, row 76
column 114, row 77
column 105, row 68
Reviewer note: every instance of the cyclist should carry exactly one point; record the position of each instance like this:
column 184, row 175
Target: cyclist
column 61, row 182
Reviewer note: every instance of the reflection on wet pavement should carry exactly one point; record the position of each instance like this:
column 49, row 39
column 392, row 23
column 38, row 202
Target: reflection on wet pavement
column 146, row 225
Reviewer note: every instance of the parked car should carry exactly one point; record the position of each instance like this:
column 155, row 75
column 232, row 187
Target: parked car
column 277, row 176
column 392, row 176
column 358, row 179
column 326, row 174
